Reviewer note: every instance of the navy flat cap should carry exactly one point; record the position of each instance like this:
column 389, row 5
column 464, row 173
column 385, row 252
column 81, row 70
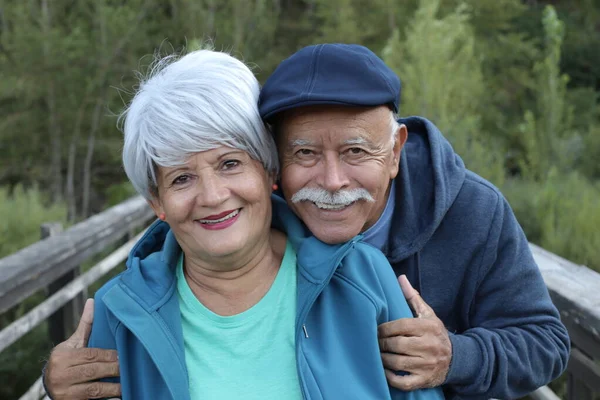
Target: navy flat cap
column 336, row 74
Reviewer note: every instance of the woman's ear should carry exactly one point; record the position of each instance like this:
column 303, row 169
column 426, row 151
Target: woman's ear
column 156, row 205
column 272, row 178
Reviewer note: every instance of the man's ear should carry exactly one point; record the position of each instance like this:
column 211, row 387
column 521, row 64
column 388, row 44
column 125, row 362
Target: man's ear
column 399, row 141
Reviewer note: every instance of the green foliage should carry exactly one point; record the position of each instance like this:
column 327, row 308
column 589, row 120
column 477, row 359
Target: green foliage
column 21, row 364
column 544, row 133
column 22, row 212
column 560, row 215
column 369, row 22
column 443, row 81
column 339, row 21
column 548, row 137
column 580, row 55
column 60, row 61
column 118, row 193
column 589, row 164
column 567, row 207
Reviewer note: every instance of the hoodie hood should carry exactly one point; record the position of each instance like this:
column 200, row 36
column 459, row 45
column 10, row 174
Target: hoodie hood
column 145, row 266
column 431, row 175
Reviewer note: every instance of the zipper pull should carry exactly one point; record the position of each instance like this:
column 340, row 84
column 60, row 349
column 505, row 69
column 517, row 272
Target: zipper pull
column 305, row 331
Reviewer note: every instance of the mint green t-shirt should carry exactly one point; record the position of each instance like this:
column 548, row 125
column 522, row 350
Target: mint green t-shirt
column 250, row 355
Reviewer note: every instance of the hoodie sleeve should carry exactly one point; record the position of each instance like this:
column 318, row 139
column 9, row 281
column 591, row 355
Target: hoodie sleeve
column 517, row 342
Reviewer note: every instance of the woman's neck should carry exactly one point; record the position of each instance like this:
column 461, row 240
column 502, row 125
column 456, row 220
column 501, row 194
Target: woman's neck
column 243, row 281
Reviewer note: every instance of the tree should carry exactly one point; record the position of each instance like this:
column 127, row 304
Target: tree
column 546, row 132
column 443, row 81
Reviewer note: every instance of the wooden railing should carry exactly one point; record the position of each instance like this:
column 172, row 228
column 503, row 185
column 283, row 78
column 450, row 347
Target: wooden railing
column 53, row 265
column 575, row 289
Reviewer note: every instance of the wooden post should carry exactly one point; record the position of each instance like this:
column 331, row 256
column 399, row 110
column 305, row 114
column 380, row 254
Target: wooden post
column 578, row 390
column 63, row 322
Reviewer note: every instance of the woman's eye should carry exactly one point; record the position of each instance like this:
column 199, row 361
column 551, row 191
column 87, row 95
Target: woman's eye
column 181, row 179
column 229, row 164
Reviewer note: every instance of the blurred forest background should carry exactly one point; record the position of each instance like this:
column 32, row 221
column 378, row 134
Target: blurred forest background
column 513, row 84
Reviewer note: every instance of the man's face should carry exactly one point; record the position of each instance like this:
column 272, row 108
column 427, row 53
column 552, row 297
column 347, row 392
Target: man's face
column 336, row 167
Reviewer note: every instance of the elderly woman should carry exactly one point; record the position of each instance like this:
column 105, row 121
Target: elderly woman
column 228, row 295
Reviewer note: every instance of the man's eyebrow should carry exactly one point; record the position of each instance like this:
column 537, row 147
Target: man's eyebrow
column 358, row 140
column 300, row 142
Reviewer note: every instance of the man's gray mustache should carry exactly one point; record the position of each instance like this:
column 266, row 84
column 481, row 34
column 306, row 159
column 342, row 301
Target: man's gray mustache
column 340, row 197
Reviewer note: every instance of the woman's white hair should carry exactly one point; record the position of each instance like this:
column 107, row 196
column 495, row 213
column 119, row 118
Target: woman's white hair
column 201, row 101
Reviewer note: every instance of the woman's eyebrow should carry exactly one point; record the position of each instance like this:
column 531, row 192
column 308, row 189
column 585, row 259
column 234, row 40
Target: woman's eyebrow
column 174, row 171
column 230, row 152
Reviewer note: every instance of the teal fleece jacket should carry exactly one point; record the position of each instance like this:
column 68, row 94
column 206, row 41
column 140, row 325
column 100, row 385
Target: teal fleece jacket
column 344, row 292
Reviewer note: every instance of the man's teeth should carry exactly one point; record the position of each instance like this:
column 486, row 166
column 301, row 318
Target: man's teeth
column 329, row 206
column 216, row 221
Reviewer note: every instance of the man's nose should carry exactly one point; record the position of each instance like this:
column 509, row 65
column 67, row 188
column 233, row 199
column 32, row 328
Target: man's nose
column 212, row 191
column 334, row 176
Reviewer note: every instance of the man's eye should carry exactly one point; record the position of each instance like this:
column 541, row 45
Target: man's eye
column 230, row 164
column 355, row 150
column 304, row 152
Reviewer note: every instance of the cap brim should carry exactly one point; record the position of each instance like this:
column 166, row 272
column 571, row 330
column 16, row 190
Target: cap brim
column 271, row 114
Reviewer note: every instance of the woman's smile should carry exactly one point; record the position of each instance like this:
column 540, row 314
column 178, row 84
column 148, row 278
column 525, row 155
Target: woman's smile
column 220, row 221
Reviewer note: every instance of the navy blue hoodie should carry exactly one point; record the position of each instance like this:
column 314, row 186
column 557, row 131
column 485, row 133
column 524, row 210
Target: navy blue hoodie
column 456, row 238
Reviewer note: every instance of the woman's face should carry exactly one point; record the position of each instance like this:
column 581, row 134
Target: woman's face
column 217, row 204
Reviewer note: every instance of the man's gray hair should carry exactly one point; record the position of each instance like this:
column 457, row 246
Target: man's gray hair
column 201, row 101
column 394, row 125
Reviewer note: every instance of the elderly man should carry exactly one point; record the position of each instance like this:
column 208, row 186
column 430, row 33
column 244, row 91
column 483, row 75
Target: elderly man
column 486, row 327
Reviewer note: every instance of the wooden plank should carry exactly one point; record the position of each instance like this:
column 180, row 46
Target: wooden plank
column 585, row 369
column 544, row 393
column 35, row 392
column 577, row 390
column 582, row 339
column 20, row 327
column 575, row 289
column 63, row 322
column 35, row 267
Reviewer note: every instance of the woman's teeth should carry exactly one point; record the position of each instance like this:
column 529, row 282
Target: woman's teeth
column 216, row 221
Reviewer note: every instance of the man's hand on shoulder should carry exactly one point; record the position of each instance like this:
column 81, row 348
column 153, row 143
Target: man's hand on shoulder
column 73, row 369
column 420, row 346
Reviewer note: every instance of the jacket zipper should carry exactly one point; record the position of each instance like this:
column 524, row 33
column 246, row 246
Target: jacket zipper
column 302, row 318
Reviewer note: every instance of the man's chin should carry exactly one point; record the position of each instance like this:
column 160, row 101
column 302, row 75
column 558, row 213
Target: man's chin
column 332, row 235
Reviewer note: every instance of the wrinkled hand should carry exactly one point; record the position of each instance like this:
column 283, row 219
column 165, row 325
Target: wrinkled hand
column 420, row 346
column 73, row 368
